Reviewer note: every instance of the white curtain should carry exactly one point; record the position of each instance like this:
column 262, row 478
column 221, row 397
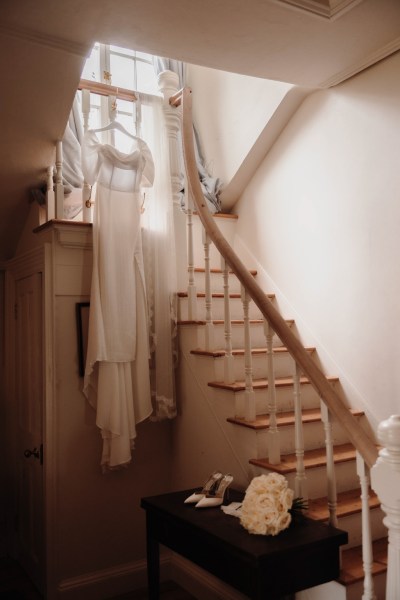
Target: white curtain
column 160, row 262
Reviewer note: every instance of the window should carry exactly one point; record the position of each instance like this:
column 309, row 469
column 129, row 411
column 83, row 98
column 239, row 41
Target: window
column 123, row 68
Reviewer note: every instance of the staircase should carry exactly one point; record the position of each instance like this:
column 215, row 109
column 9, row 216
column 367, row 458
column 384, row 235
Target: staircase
column 242, row 444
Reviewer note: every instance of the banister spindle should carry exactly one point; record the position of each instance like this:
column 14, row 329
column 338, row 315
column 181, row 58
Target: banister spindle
column 300, row 482
column 191, row 289
column 385, row 477
column 229, row 369
column 363, row 474
column 274, row 452
column 59, row 188
column 330, row 465
column 209, row 334
column 50, row 197
column 87, row 215
column 249, row 397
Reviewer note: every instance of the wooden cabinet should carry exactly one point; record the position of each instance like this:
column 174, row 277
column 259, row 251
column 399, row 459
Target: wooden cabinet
column 42, row 286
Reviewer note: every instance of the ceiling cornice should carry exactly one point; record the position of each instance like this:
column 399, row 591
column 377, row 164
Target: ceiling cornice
column 368, row 61
column 49, row 41
column 328, row 9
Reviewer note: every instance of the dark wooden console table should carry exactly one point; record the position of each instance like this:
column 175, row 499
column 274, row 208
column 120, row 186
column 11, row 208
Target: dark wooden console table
column 304, row 555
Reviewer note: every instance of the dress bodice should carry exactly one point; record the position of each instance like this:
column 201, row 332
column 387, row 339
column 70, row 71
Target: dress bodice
column 116, row 170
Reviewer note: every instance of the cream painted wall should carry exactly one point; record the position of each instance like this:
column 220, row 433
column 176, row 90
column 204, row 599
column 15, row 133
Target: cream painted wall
column 230, row 111
column 100, row 522
column 322, row 217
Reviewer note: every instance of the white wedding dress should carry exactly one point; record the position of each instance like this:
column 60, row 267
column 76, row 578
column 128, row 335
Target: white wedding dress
column 117, row 379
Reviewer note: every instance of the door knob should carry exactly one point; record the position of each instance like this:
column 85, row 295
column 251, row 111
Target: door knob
column 35, row 452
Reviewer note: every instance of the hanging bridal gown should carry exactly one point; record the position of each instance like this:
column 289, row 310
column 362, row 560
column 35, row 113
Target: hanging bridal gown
column 117, row 380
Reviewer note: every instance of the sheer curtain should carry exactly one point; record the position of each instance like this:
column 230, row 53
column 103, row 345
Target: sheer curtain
column 72, row 169
column 211, row 186
column 160, row 262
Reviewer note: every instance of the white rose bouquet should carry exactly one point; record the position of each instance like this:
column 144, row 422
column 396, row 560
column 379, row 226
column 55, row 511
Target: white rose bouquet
column 268, row 504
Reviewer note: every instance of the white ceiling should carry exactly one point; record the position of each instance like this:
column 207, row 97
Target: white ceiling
column 43, row 44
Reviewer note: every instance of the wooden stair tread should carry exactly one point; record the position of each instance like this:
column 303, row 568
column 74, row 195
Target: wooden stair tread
column 218, row 321
column 219, row 295
column 312, row 459
column 352, row 564
column 309, row 415
column 289, row 322
column 202, row 270
column 220, row 215
column 259, row 384
column 349, row 503
column 241, row 351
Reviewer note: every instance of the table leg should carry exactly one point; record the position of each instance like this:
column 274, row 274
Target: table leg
column 153, row 562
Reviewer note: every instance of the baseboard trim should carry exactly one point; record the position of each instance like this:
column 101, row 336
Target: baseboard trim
column 112, row 581
column 200, row 583
column 130, row 577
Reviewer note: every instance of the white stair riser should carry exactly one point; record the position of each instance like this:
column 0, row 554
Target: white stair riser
column 346, row 478
column 284, row 399
column 336, row 591
column 217, row 282
column 256, row 334
column 352, row 524
column 314, row 437
column 283, row 366
column 217, row 309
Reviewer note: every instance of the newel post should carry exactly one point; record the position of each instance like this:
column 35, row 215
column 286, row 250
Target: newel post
column 168, row 84
column 385, row 480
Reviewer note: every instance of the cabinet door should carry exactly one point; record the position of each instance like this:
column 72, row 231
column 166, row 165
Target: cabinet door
column 29, row 413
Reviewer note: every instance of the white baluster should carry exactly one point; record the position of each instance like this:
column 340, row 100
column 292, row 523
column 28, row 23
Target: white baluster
column 59, row 188
column 87, row 212
column 249, row 397
column 209, row 333
column 363, row 474
column 50, row 198
column 191, row 290
column 385, row 477
column 274, row 452
column 229, row 369
column 330, row 465
column 300, row 482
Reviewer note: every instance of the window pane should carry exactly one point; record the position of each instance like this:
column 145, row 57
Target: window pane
column 125, row 106
column 125, row 51
column 144, row 56
column 122, row 72
column 146, row 78
column 94, row 117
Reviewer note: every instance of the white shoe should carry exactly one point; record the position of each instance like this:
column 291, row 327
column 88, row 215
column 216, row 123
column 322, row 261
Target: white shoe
column 211, row 483
column 217, row 498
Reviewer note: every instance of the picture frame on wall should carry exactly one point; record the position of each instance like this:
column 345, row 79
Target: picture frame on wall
column 82, row 322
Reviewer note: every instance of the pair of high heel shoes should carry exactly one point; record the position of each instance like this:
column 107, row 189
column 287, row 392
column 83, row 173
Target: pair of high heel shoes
column 213, row 491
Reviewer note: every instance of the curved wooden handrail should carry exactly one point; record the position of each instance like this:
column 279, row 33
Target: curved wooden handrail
column 335, row 404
